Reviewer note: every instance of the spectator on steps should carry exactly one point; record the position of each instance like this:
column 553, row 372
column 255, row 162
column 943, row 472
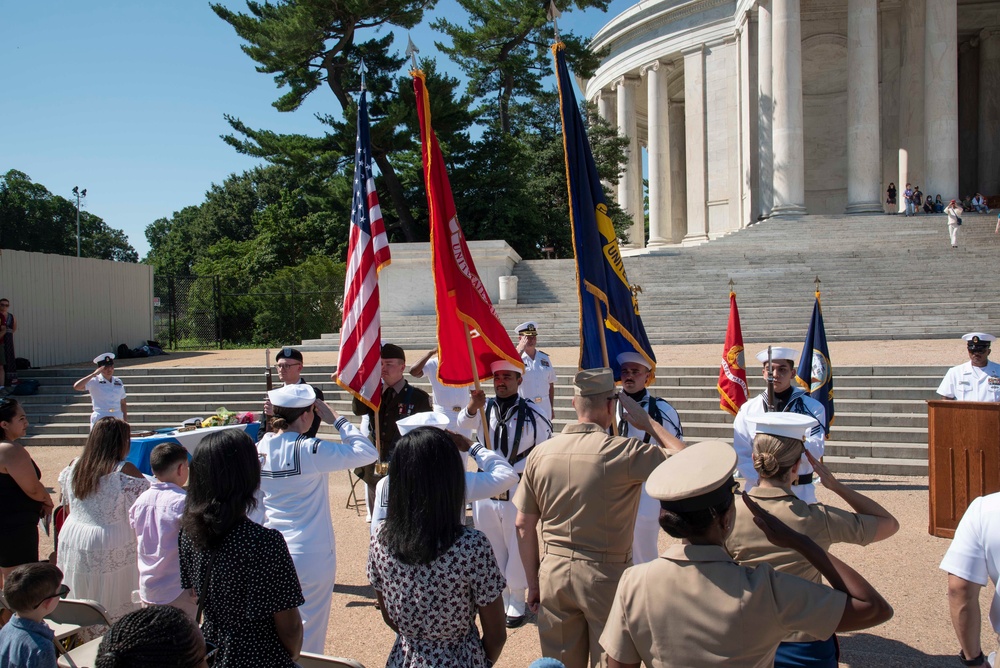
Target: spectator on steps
column 890, row 199
column 954, row 220
column 908, row 200
column 938, row 204
column 929, row 205
column 8, row 323
column 967, row 203
column 979, row 204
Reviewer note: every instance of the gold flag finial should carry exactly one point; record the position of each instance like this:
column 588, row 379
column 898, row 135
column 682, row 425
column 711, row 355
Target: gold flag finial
column 817, row 282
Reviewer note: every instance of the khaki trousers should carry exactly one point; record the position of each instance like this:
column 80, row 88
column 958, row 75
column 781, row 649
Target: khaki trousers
column 576, row 597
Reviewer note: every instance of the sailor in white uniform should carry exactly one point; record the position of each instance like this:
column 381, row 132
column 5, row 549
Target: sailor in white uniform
column 107, row 391
column 787, row 398
column 494, row 477
column 447, row 400
column 539, row 377
column 295, row 484
column 979, row 378
column 635, row 373
column 516, row 425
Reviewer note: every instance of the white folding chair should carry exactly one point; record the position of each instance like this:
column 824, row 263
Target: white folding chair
column 84, row 656
column 352, row 498
column 307, row 660
column 73, row 614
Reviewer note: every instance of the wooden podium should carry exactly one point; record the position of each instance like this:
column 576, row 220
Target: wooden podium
column 963, row 450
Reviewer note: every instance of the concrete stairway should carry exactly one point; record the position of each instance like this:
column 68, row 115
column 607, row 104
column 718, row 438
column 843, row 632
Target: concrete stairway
column 880, row 427
column 882, row 277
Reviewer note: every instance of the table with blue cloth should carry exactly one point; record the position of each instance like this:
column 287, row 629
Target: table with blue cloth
column 140, row 448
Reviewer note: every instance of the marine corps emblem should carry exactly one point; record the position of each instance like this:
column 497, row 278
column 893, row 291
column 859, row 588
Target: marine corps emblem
column 734, row 358
column 820, row 371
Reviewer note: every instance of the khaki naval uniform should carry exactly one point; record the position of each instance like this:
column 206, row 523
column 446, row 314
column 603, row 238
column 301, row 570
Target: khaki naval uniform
column 584, row 485
column 695, row 606
column 824, row 524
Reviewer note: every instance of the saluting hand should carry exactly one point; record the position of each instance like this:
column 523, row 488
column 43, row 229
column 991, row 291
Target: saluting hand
column 634, row 414
column 825, row 475
column 776, row 531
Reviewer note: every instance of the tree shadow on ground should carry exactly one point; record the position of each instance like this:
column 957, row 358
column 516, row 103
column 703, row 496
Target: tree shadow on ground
column 864, row 650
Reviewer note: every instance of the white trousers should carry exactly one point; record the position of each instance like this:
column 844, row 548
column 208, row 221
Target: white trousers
column 953, row 233
column 647, row 530
column 496, row 520
column 317, row 573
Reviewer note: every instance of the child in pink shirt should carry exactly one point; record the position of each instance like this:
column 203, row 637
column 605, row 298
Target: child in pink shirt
column 156, row 519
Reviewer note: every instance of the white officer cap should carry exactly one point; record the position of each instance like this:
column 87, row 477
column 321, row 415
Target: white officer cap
column 778, row 353
column 529, row 328
column 432, row 419
column 298, row 395
column 699, row 476
column 791, row 425
column 979, row 337
column 104, row 359
column 504, row 365
column 633, row 358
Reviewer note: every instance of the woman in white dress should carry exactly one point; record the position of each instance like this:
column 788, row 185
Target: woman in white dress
column 97, row 547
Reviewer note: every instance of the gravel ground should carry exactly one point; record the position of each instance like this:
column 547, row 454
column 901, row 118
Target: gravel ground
column 903, row 568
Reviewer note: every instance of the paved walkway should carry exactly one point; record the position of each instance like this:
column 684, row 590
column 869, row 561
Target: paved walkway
column 903, row 568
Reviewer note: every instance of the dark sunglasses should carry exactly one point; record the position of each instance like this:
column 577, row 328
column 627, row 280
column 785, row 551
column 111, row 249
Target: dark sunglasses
column 62, row 592
column 978, row 349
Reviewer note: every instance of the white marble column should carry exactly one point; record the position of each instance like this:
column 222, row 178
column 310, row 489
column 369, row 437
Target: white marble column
column 941, row 98
column 765, row 105
column 627, row 127
column 864, row 180
column 787, row 135
column 606, row 106
column 911, row 106
column 989, row 112
column 678, row 172
column 658, row 151
column 749, row 118
column 695, row 146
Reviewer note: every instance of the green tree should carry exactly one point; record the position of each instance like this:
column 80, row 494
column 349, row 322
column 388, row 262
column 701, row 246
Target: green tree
column 33, row 219
column 308, row 43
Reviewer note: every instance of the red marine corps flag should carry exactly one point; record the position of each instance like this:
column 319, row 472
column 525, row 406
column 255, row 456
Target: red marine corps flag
column 359, row 365
column 462, row 303
column 732, row 373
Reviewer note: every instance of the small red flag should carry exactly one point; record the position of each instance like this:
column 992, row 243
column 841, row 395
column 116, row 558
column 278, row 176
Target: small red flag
column 460, row 298
column 733, row 373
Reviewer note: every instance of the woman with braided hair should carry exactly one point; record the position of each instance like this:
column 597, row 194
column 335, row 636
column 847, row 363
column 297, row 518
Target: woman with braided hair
column 777, row 449
column 159, row 636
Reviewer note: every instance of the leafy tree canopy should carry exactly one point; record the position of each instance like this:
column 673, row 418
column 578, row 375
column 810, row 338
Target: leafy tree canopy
column 33, row 219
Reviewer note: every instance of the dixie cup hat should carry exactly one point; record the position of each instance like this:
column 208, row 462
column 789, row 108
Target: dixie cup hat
column 298, row 395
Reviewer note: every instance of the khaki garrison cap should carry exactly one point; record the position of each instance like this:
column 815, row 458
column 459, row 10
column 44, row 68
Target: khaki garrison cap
column 697, row 477
column 593, row 381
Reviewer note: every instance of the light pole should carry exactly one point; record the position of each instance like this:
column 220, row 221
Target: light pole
column 79, row 193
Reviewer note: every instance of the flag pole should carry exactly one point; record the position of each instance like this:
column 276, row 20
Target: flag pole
column 817, row 282
column 381, row 467
column 475, row 379
column 604, row 353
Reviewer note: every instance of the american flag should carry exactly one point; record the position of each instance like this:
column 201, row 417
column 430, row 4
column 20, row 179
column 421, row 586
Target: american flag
column 359, row 365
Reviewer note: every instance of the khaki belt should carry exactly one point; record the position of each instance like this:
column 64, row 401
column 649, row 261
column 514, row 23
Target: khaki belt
column 586, row 555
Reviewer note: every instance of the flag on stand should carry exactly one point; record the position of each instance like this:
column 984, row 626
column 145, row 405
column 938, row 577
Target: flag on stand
column 815, row 374
column 359, row 364
column 614, row 315
column 460, row 298
column 733, row 373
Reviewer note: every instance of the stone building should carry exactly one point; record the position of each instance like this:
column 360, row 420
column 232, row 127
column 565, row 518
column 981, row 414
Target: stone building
column 782, row 107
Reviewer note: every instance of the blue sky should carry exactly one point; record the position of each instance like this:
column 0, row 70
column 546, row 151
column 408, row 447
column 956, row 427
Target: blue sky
column 126, row 99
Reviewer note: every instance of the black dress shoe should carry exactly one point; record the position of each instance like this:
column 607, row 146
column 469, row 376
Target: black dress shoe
column 515, row 622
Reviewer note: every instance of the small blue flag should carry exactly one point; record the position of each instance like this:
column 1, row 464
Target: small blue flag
column 815, row 374
column 614, row 314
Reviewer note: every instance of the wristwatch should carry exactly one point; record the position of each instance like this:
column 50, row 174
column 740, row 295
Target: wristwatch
column 975, row 661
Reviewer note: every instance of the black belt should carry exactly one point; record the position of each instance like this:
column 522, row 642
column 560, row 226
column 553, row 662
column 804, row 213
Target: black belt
column 805, row 479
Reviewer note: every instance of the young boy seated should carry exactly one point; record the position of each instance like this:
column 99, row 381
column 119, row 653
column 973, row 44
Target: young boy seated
column 156, row 519
column 32, row 592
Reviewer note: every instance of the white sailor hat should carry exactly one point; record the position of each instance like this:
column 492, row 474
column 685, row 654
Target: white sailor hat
column 976, row 338
column 699, row 476
column 431, row 419
column 529, row 328
column 298, row 395
column 104, row 359
column 634, row 358
column 791, row 425
column 778, row 353
column 504, row 365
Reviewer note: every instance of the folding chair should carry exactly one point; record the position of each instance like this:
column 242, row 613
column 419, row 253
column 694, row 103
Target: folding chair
column 307, row 660
column 352, row 498
column 84, row 656
column 72, row 614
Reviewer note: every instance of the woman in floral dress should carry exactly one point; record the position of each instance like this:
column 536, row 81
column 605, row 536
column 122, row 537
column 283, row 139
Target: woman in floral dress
column 432, row 574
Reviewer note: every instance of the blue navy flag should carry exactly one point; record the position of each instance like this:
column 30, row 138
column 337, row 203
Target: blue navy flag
column 614, row 315
column 815, row 374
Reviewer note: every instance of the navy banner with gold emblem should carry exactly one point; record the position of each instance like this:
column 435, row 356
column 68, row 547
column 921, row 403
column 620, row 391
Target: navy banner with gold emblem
column 815, row 374
column 600, row 270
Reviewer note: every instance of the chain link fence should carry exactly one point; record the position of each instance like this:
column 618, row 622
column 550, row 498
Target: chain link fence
column 198, row 312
